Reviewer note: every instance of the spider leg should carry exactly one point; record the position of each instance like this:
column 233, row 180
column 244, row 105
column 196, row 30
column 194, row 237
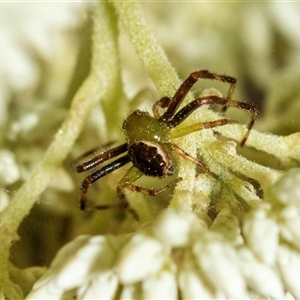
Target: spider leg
column 192, row 159
column 92, row 163
column 161, row 103
column 192, row 106
column 179, row 132
column 128, row 182
column 188, row 84
column 118, row 163
column 90, row 152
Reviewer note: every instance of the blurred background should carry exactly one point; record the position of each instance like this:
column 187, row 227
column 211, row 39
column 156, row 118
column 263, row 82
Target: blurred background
column 45, row 56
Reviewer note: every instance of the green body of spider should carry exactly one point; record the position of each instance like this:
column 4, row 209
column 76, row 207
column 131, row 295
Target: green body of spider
column 140, row 126
column 149, row 145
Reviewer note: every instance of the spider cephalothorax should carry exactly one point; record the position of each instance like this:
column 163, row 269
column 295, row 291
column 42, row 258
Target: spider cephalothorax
column 149, row 144
column 149, row 139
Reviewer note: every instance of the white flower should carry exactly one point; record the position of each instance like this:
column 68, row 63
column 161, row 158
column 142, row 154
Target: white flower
column 173, row 228
column 81, row 264
column 31, row 25
column 9, row 171
column 192, row 281
column 262, row 235
column 252, row 245
column 289, row 266
column 141, row 257
column 260, row 276
column 217, row 261
column 153, row 264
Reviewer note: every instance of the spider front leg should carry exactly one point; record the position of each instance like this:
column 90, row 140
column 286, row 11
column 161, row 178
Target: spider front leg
column 188, row 84
column 161, row 103
column 183, row 113
column 82, row 167
column 92, row 163
column 179, row 132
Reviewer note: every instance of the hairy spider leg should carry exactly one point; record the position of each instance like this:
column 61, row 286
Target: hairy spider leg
column 93, row 151
column 161, row 103
column 118, row 163
column 97, row 160
column 185, row 87
column 134, row 174
column 183, row 113
column 192, row 159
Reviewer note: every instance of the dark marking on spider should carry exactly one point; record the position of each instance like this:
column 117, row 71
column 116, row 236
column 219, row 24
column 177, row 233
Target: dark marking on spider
column 151, row 159
column 149, row 140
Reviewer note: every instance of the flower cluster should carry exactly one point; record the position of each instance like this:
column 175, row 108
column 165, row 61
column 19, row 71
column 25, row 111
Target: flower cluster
column 178, row 256
column 234, row 236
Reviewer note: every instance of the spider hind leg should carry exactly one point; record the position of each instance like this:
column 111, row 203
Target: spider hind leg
column 86, row 183
column 128, row 182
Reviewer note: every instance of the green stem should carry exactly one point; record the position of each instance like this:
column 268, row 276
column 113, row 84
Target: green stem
column 159, row 69
column 148, row 49
column 100, row 84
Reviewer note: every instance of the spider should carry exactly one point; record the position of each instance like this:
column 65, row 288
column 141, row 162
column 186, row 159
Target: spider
column 149, row 140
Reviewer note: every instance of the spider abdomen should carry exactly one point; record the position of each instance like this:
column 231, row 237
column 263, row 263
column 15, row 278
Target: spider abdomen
column 151, row 159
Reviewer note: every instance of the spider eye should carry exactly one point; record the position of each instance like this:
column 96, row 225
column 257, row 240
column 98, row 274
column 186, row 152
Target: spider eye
column 151, row 159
